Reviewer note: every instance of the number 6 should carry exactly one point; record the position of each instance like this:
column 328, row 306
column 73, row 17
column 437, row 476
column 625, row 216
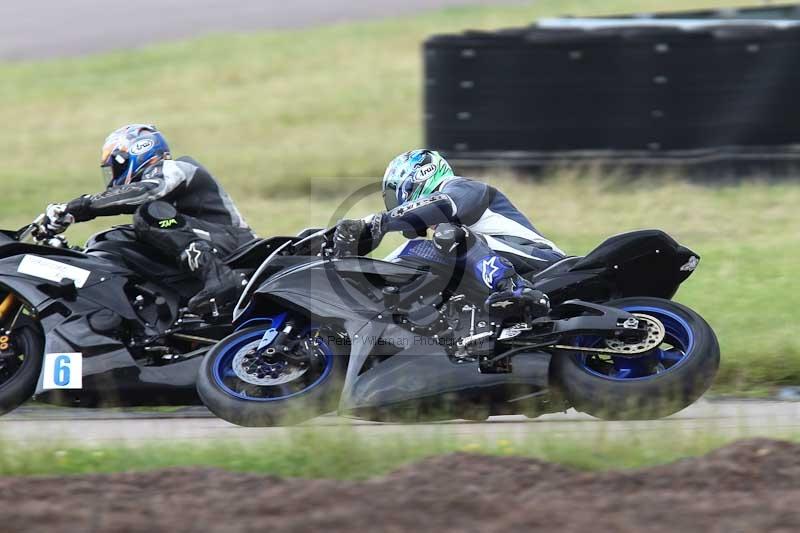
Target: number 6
column 61, row 373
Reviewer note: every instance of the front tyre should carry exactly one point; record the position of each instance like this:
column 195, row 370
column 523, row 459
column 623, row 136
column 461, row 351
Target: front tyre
column 656, row 384
column 249, row 387
column 21, row 354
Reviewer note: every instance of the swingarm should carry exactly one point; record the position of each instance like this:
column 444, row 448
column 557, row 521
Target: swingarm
column 620, row 333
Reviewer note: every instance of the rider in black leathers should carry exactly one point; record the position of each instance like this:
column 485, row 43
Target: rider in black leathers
column 178, row 208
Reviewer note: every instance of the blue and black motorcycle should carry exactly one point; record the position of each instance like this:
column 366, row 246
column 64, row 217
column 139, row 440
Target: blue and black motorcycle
column 318, row 330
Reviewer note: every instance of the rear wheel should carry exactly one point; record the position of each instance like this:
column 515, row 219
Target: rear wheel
column 659, row 382
column 298, row 379
column 21, row 354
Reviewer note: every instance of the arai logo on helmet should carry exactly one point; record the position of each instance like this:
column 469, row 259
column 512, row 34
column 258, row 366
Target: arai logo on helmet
column 424, row 172
column 140, row 147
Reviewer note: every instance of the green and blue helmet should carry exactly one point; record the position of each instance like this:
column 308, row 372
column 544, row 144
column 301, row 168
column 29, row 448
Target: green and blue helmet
column 414, row 175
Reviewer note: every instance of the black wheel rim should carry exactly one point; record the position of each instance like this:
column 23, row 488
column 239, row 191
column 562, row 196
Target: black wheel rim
column 14, row 358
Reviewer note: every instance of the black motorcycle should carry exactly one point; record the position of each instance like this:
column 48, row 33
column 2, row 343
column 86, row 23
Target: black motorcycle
column 410, row 339
column 102, row 325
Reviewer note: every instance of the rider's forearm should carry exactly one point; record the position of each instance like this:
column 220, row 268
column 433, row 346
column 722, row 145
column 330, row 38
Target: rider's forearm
column 122, row 200
column 80, row 208
column 421, row 214
column 88, row 207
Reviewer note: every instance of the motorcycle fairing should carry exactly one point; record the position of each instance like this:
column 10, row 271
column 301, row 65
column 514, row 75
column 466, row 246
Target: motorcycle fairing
column 38, row 291
column 637, row 263
column 422, row 373
column 349, row 288
column 66, row 320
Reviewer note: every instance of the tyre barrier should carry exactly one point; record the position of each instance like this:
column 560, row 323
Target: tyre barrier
column 697, row 92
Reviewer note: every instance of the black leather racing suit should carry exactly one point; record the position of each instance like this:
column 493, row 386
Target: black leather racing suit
column 181, row 210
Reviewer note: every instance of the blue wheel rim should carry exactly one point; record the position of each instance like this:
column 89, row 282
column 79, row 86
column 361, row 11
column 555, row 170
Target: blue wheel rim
column 675, row 350
column 222, row 368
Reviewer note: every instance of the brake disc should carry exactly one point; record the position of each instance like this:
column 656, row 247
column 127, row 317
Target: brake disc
column 655, row 336
column 240, row 368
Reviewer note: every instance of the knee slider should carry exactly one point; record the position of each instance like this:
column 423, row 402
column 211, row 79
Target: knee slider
column 158, row 214
column 451, row 239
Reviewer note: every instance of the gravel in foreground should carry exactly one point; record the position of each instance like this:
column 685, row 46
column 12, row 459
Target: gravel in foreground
column 752, row 485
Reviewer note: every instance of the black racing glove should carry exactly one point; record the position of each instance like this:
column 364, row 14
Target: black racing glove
column 347, row 237
column 358, row 237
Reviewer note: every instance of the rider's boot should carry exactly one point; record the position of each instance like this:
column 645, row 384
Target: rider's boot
column 221, row 285
column 514, row 296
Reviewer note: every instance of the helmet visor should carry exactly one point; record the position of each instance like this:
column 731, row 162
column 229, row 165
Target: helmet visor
column 390, row 199
column 108, row 175
column 395, row 195
column 115, row 167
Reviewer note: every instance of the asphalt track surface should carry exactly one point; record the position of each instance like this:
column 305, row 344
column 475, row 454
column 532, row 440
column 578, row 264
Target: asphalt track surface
column 36, row 29
column 43, row 425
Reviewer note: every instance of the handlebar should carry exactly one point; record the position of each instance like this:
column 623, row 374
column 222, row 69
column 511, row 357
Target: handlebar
column 322, row 242
column 37, row 232
column 32, row 230
column 314, row 243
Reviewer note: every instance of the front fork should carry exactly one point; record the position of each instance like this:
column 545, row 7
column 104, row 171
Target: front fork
column 11, row 310
column 7, row 305
column 7, row 308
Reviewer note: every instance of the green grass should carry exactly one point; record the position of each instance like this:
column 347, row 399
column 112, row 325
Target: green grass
column 267, row 111
column 314, row 453
column 275, row 113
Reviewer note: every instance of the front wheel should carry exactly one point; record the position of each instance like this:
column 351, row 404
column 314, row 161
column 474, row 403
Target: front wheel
column 21, row 354
column 656, row 384
column 250, row 382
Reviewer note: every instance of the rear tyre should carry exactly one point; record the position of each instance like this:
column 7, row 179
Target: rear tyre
column 659, row 383
column 19, row 373
column 248, row 400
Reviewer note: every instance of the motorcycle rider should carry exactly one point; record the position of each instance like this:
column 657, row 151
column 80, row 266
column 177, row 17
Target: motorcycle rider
column 472, row 221
column 178, row 208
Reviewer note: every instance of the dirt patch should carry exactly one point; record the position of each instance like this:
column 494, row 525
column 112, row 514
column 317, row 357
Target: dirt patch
column 753, row 485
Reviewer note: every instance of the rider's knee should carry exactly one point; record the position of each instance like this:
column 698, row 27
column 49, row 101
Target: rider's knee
column 452, row 239
column 157, row 215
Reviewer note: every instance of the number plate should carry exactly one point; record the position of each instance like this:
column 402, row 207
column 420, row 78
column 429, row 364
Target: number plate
column 62, row 371
column 40, row 267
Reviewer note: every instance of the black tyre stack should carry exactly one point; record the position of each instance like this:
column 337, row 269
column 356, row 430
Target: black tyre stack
column 634, row 94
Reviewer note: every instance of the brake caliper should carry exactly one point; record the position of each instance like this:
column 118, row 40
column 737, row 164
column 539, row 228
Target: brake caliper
column 6, row 345
column 8, row 352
